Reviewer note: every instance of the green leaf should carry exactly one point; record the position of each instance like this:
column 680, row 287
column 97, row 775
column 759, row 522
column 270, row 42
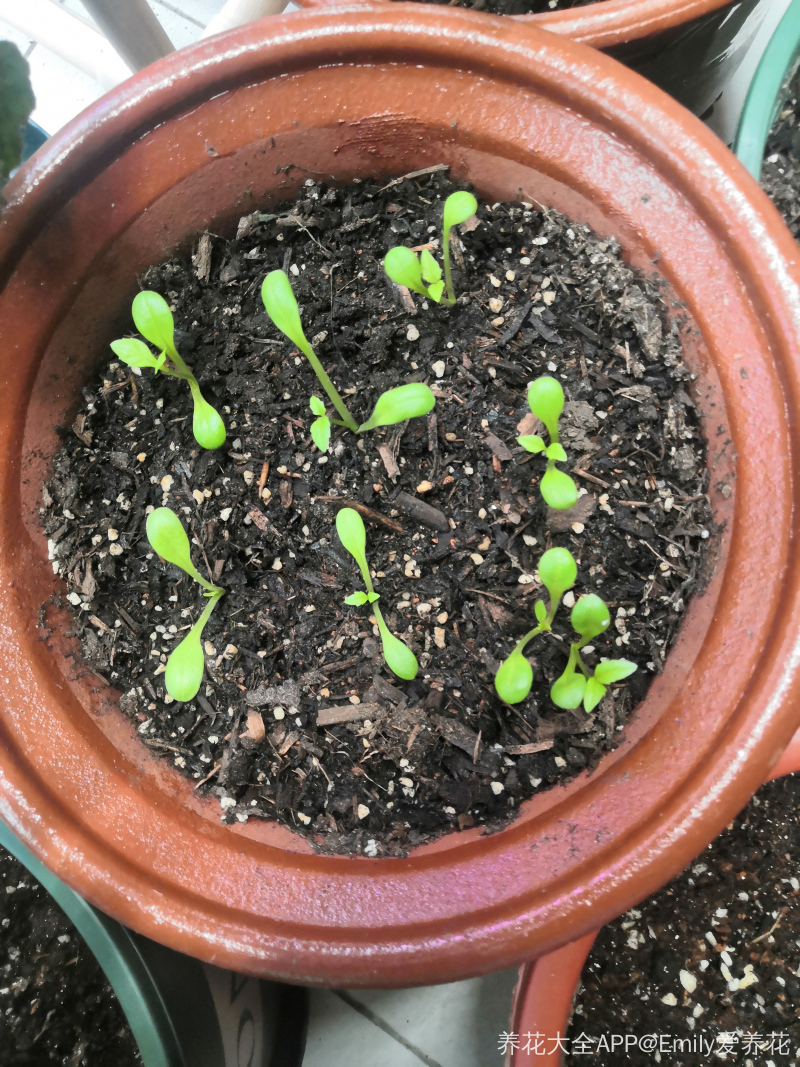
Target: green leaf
column 435, row 291
column 431, row 271
column 350, row 528
column 558, row 489
column 168, row 538
column 16, row 104
column 185, row 667
column 531, row 442
column 403, row 267
column 593, row 694
column 321, row 432
column 540, row 611
column 154, row 320
column 133, row 352
column 556, row 451
column 590, row 617
column 614, row 670
column 162, row 359
column 568, row 690
column 372, row 597
column 281, row 306
column 558, row 571
column 397, row 405
column 514, row 679
column 458, row 207
column 399, row 657
column 546, row 401
column 359, row 597
column 207, row 425
column 317, row 406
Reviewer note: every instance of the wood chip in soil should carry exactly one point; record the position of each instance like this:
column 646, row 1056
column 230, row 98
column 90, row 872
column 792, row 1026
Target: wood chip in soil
column 455, row 528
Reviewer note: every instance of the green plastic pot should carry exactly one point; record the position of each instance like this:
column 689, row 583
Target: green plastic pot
column 182, row 1013
column 768, row 90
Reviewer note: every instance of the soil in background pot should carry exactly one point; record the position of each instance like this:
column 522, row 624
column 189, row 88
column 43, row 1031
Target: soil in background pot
column 712, row 957
column 518, row 7
column 780, row 173
column 455, row 521
column 56, row 1006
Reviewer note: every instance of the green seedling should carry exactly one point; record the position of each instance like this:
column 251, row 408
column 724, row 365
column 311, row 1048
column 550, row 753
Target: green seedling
column 399, row 658
column 393, row 406
column 154, row 321
column 321, row 427
column 558, row 571
column 421, row 272
column 578, row 685
column 546, row 401
column 185, row 665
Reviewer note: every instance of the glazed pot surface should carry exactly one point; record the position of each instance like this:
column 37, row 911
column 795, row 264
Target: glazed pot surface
column 204, row 137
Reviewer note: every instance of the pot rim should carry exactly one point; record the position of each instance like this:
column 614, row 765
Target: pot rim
column 483, row 937
column 602, row 24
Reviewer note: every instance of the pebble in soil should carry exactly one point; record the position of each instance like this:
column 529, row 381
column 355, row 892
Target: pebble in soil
column 715, row 955
column 538, row 296
column 56, row 1006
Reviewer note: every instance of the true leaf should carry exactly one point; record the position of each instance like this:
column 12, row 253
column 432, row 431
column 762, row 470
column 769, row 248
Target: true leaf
column 320, row 430
column 556, row 451
column 590, row 616
column 372, row 597
column 531, row 442
column 546, row 401
column 435, row 291
column 568, row 690
column 281, row 306
column 558, row 571
column 458, row 207
column 133, row 352
column 350, row 528
column 359, row 597
column 614, row 670
column 558, row 490
column 593, row 694
column 154, row 320
column 540, row 611
column 317, row 406
column 430, row 269
column 403, row 267
column 514, row 679
column 397, row 405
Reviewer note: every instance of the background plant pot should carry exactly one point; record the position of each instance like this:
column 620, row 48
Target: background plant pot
column 546, row 988
column 768, row 90
column 182, row 1013
column 238, row 121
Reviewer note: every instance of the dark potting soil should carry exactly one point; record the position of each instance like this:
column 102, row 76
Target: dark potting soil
column 56, row 1006
column 780, row 173
column 516, row 7
column 712, row 960
column 455, row 522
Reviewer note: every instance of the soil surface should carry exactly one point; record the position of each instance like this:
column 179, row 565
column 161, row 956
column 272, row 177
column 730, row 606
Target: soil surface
column 56, row 1006
column 516, row 7
column 780, row 174
column 455, row 522
column 713, row 960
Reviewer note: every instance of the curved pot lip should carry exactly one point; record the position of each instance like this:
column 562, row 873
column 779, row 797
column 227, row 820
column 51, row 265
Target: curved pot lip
column 602, row 24
column 775, row 69
column 741, row 218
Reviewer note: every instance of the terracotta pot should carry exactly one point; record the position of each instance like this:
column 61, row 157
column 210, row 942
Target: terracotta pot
column 241, row 120
column 603, row 24
column 546, row 988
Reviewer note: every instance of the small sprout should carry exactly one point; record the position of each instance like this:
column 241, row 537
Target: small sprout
column 422, row 273
column 154, row 321
column 185, row 665
column 557, row 570
column 399, row 658
column 589, row 618
column 546, row 401
column 320, row 427
column 393, row 406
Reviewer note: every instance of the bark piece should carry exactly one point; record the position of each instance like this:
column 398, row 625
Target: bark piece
column 348, row 713
column 420, row 511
